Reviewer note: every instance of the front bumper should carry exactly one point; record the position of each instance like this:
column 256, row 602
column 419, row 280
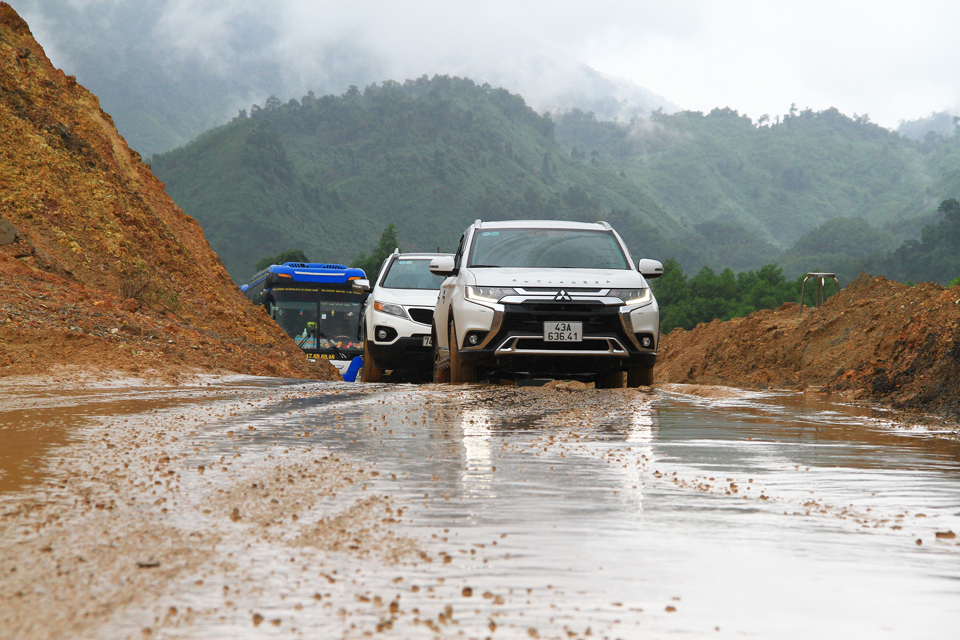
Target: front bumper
column 612, row 339
column 403, row 354
column 403, row 347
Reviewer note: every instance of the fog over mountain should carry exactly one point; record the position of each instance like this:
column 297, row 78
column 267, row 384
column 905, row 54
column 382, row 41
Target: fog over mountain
column 170, row 69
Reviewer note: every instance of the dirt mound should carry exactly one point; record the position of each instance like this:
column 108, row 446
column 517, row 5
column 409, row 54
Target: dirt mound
column 98, row 266
column 876, row 339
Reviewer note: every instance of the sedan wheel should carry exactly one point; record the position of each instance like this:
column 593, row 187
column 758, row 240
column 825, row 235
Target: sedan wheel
column 369, row 373
column 441, row 374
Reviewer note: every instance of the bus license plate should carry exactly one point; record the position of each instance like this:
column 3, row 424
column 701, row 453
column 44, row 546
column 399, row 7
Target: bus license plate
column 427, row 341
column 562, row 331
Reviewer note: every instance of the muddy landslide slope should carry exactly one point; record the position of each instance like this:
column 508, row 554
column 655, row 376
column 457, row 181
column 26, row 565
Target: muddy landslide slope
column 98, row 267
column 877, row 340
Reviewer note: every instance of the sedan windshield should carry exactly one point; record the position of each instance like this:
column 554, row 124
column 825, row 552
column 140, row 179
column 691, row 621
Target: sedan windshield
column 547, row 249
column 411, row 274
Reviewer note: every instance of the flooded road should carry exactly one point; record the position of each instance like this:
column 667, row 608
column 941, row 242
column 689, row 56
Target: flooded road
column 252, row 508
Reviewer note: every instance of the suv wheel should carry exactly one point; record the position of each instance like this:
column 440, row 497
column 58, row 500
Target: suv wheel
column 369, row 373
column 459, row 372
column 640, row 377
column 440, row 374
column 611, row 381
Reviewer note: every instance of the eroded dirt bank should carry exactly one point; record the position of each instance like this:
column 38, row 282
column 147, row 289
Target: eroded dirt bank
column 877, row 340
column 98, row 267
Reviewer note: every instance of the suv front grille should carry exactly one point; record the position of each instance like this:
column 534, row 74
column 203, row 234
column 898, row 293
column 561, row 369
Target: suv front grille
column 556, row 289
column 550, row 306
column 422, row 316
column 531, row 344
column 529, row 317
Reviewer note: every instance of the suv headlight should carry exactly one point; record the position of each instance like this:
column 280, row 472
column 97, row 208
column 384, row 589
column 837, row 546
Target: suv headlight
column 488, row 294
column 632, row 296
column 390, row 309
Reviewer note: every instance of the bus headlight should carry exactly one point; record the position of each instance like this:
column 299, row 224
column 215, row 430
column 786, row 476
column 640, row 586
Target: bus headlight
column 390, row 309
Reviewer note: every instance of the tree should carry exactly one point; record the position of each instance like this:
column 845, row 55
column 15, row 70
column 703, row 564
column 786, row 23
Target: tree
column 685, row 302
column 951, row 210
column 290, row 255
column 371, row 264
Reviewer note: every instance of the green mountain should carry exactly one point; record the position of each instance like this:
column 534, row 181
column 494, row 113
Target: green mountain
column 326, row 175
column 781, row 179
column 810, row 191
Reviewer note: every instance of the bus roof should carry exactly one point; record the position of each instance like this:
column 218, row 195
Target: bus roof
column 311, row 272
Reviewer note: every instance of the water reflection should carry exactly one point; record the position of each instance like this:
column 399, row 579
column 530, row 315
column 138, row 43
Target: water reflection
column 477, row 475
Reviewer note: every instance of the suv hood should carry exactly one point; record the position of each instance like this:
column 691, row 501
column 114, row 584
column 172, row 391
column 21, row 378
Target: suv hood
column 599, row 278
column 407, row 297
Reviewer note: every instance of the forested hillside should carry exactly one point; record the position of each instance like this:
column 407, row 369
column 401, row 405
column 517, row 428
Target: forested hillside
column 808, row 190
column 802, row 190
column 327, row 174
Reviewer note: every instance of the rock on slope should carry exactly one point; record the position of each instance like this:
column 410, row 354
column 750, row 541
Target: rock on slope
column 877, row 339
column 98, row 266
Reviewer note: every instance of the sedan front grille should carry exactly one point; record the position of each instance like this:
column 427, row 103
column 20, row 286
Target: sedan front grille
column 422, row 316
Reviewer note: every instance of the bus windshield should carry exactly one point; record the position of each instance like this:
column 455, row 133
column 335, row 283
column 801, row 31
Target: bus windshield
column 547, row 248
column 318, row 318
column 411, row 274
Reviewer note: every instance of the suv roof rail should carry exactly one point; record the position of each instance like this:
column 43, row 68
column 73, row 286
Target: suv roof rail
column 477, row 223
column 605, row 225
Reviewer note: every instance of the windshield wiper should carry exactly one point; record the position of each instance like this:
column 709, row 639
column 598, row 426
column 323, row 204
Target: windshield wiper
column 333, row 346
column 484, row 266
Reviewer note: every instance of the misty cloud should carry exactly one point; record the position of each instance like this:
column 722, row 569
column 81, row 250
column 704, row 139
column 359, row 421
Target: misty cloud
column 889, row 60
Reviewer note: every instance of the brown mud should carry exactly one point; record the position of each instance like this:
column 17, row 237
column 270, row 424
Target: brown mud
column 876, row 340
column 141, row 500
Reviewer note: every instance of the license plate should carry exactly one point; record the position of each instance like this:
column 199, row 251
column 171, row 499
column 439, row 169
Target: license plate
column 562, row 331
column 427, row 341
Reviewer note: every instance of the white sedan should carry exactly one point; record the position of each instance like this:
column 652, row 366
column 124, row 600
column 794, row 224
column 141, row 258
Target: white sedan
column 397, row 318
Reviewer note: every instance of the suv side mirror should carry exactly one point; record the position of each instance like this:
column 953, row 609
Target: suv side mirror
column 443, row 266
column 650, row 269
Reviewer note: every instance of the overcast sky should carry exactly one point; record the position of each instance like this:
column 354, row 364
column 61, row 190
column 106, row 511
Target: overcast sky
column 891, row 60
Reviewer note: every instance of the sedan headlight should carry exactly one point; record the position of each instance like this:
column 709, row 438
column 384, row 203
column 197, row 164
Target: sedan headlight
column 488, row 294
column 632, row 296
column 390, row 309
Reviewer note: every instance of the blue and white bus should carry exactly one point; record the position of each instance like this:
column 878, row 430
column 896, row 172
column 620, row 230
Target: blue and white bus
column 318, row 305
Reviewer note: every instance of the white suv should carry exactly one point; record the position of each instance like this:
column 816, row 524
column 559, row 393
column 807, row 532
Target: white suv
column 531, row 298
column 397, row 317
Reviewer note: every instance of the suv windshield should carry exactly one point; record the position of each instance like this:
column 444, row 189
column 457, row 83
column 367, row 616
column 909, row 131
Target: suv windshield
column 406, row 273
column 548, row 249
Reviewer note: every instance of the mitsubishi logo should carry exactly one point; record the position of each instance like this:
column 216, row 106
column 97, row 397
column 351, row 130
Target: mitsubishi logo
column 562, row 296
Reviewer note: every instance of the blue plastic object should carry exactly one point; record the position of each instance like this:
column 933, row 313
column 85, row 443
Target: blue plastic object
column 350, row 375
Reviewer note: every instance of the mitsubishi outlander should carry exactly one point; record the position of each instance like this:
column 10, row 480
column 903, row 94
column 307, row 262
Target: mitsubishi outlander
column 545, row 298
